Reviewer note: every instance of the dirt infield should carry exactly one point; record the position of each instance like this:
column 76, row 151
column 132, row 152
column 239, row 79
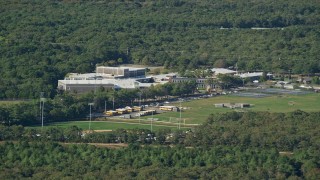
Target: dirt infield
column 97, row 131
column 109, row 145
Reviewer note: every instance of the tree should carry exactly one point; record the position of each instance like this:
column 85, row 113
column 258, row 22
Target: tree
column 315, row 80
column 72, row 134
column 221, row 63
column 228, row 81
column 263, row 78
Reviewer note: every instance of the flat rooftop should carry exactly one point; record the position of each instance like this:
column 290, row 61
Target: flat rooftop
column 130, row 68
column 118, row 83
column 88, row 76
column 222, row 71
column 247, row 75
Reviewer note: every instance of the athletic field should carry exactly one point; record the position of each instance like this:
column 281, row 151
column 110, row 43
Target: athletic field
column 197, row 111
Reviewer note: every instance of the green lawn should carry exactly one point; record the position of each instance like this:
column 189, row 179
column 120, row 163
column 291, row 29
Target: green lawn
column 102, row 125
column 199, row 110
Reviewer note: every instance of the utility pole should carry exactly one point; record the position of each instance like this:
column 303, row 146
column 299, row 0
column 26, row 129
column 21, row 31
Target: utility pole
column 105, row 105
column 90, row 104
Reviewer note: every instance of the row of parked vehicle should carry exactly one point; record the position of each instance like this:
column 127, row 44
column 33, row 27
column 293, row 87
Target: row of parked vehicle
column 125, row 110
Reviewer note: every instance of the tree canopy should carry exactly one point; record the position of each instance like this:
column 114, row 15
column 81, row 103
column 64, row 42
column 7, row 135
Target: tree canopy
column 42, row 41
column 250, row 145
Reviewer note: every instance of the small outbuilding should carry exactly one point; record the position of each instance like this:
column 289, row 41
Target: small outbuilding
column 232, row 105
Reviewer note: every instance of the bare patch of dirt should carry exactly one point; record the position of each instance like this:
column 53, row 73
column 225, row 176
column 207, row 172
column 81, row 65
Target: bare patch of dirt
column 104, row 145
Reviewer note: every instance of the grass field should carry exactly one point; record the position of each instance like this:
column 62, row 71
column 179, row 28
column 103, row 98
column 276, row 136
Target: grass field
column 102, row 125
column 199, row 110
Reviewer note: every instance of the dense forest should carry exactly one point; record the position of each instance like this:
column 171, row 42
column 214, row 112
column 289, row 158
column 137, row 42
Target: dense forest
column 43, row 40
column 252, row 145
column 47, row 160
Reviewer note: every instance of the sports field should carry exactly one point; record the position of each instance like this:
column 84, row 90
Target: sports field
column 103, row 125
column 196, row 111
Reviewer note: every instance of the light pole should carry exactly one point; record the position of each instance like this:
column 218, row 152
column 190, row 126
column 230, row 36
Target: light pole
column 105, row 105
column 90, row 104
column 113, row 98
column 151, row 119
column 180, row 114
column 40, row 114
column 140, row 99
column 113, row 103
column 42, row 100
column 95, row 84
